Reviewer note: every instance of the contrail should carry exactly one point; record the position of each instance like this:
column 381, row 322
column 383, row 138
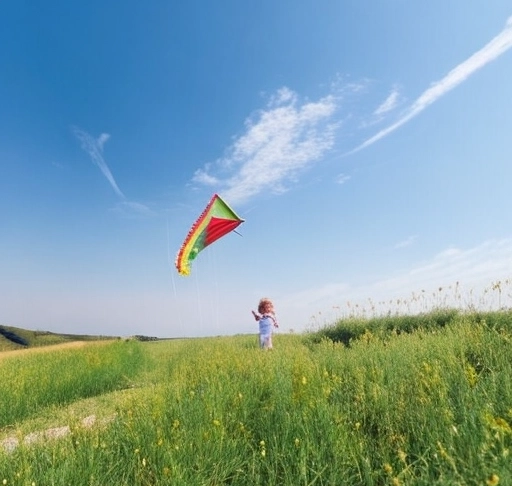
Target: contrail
column 95, row 150
column 491, row 51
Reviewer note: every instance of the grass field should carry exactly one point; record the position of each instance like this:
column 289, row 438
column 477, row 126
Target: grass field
column 424, row 400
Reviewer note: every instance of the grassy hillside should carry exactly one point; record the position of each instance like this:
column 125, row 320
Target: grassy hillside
column 12, row 338
column 353, row 329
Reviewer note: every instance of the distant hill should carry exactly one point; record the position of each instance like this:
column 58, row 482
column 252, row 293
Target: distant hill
column 17, row 338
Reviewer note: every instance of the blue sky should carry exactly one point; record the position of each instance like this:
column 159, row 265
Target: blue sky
column 366, row 144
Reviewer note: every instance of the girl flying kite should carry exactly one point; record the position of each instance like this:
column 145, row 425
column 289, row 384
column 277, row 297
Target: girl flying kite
column 266, row 318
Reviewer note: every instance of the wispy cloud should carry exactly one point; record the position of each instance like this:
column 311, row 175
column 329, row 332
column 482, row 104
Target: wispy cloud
column 491, row 51
column 57, row 164
column 94, row 147
column 131, row 209
column 407, row 242
column 279, row 142
column 342, row 178
column 202, row 176
column 290, row 133
column 389, row 103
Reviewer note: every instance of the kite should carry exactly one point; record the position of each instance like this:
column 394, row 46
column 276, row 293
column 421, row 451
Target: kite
column 217, row 220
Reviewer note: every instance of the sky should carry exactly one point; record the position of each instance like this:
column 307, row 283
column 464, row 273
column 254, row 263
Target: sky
column 366, row 145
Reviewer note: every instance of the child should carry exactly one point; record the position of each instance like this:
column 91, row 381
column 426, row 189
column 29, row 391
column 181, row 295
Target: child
column 266, row 318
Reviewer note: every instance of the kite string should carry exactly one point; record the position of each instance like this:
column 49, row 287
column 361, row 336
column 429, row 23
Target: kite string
column 171, row 265
column 213, row 299
column 216, row 297
column 208, row 304
column 199, row 300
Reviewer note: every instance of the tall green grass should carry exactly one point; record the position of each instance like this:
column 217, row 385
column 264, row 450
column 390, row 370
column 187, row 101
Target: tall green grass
column 432, row 406
column 32, row 382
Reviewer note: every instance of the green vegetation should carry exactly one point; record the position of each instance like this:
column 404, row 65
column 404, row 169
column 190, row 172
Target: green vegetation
column 32, row 382
column 12, row 338
column 418, row 401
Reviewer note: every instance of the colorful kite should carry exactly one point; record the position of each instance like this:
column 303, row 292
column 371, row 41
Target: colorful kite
column 216, row 220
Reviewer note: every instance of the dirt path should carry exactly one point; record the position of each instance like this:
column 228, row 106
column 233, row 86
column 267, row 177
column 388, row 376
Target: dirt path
column 9, row 444
column 49, row 348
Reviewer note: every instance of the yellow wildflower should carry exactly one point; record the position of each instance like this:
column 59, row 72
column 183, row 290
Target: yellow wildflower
column 493, row 480
column 402, row 455
column 263, row 452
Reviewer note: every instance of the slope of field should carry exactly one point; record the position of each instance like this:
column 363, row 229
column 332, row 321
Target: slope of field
column 12, row 338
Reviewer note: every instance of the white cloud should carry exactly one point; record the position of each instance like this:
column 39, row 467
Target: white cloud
column 202, row 177
column 491, row 51
column 389, row 104
column 290, row 134
column 283, row 95
column 407, row 242
column 278, row 143
column 131, row 209
column 342, row 178
column 94, row 148
column 102, row 139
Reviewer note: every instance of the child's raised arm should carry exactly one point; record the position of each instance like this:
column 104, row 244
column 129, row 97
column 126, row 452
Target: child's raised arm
column 256, row 316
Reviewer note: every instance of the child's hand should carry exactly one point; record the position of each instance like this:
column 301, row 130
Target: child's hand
column 256, row 316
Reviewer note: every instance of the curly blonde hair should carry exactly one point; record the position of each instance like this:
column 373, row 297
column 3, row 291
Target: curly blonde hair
column 265, row 305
